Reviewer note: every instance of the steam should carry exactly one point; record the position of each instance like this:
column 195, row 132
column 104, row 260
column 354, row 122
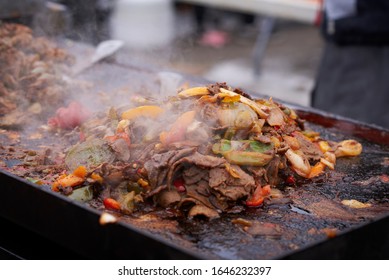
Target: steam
column 169, row 82
column 96, row 82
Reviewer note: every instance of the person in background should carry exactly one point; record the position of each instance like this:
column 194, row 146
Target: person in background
column 353, row 77
column 209, row 24
column 89, row 19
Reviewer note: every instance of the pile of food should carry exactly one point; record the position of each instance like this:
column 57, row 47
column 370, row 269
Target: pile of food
column 32, row 75
column 203, row 152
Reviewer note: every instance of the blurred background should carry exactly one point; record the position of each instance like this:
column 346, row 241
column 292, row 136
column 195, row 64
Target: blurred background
column 271, row 47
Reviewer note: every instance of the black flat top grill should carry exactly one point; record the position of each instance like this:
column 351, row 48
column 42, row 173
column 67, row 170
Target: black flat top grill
column 32, row 216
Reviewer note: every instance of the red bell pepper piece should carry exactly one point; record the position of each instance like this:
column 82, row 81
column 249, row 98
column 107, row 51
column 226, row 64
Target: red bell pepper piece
column 290, row 180
column 119, row 135
column 258, row 196
column 111, row 204
column 179, row 184
column 178, row 129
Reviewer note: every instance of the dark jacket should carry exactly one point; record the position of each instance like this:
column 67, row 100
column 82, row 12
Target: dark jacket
column 369, row 26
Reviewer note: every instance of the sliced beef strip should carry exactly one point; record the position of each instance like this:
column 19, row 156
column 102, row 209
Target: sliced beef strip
column 158, row 165
column 271, row 174
column 141, row 154
column 215, row 88
column 155, row 191
column 310, row 149
column 197, row 159
column 217, row 176
column 191, row 191
column 167, row 198
column 259, row 174
column 122, row 152
column 218, row 202
column 194, row 174
column 231, row 188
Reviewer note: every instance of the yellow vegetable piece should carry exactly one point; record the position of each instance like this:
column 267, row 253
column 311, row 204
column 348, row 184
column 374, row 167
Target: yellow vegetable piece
column 276, row 142
column 178, row 129
column 96, row 177
column 143, row 183
column 70, row 180
column 256, row 107
column 194, row 91
column 228, row 99
column 80, row 171
column 231, row 170
column 324, row 146
column 348, row 148
column 316, row 170
column 352, row 203
column 150, row 111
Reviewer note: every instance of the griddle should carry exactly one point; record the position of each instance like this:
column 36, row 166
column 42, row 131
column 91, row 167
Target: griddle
column 300, row 224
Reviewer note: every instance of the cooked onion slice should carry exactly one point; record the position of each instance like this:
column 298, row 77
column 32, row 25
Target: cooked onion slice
column 246, row 101
column 299, row 163
column 348, row 148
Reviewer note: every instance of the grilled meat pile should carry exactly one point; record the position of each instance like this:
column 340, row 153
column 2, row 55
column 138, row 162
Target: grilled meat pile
column 203, row 152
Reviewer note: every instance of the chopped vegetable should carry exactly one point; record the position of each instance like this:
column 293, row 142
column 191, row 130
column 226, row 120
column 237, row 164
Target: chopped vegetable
column 143, row 183
column 256, row 107
column 324, row 146
column 247, row 158
column 352, row 203
column 299, row 163
column 236, row 115
column 97, row 178
column 348, row 148
column 179, row 184
column 178, row 129
column 83, row 194
column 111, row 204
column 258, row 196
column 194, row 91
column 316, row 170
column 120, row 135
column 149, row 111
column 80, row 171
column 70, row 180
column 127, row 203
column 90, row 153
column 246, row 145
column 245, row 152
column 290, row 180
